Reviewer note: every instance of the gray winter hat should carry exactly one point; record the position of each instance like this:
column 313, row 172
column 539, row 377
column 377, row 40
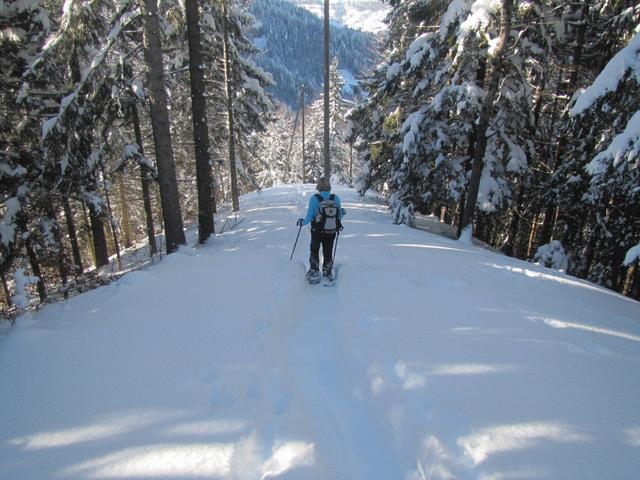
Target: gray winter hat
column 323, row 185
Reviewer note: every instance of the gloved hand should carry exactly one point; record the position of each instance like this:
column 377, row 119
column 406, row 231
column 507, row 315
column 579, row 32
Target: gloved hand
column 300, row 222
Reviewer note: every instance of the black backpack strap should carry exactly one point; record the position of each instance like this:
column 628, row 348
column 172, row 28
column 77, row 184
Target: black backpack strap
column 319, row 197
column 332, row 197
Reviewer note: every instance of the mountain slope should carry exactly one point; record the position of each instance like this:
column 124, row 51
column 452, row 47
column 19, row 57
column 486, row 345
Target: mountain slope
column 291, row 40
column 366, row 15
column 429, row 359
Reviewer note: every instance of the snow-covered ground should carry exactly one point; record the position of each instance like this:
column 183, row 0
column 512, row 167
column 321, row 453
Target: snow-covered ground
column 430, row 359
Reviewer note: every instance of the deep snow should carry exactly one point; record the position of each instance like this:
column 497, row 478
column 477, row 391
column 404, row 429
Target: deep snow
column 430, row 359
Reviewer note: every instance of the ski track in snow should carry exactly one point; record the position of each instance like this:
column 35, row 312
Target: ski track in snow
column 429, row 359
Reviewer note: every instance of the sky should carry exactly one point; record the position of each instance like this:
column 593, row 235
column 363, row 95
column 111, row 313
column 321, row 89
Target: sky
column 430, row 358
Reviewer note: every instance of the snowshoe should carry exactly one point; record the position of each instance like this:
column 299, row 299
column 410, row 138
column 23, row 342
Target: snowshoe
column 328, row 280
column 313, row 277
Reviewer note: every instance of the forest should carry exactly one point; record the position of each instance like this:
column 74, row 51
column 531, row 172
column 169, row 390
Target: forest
column 518, row 120
column 123, row 121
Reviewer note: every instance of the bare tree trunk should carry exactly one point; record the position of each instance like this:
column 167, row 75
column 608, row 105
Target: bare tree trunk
column 145, row 181
column 60, row 253
column 5, row 289
column 230, row 122
column 99, row 240
column 632, row 282
column 35, row 268
column 532, row 235
column 509, row 246
column 485, row 115
column 73, row 235
column 124, row 207
column 169, row 197
column 327, row 158
column 204, row 178
column 112, row 224
column 88, row 236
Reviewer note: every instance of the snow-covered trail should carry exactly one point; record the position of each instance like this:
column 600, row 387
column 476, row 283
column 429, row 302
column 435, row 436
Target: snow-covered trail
column 430, row 359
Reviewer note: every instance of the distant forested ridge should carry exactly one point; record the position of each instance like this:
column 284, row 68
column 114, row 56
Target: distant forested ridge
column 291, row 42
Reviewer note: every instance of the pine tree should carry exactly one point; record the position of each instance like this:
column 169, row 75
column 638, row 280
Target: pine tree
column 200, row 125
column 162, row 135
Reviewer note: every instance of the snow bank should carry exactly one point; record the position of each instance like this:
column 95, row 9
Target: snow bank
column 552, row 255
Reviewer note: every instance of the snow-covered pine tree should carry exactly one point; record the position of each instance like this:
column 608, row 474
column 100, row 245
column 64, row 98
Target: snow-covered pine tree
column 25, row 29
column 65, row 83
column 252, row 106
column 429, row 95
column 605, row 164
column 338, row 108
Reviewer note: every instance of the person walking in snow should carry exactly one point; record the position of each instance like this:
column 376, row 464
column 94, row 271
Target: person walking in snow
column 325, row 214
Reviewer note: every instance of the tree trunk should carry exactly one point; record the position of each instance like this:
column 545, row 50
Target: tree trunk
column 485, row 115
column 481, row 74
column 124, row 207
column 35, row 268
column 112, row 224
column 73, row 235
column 327, row 158
column 145, row 181
column 204, row 178
column 509, row 247
column 87, row 233
column 99, row 239
column 60, row 253
column 632, row 283
column 174, row 232
column 532, row 235
column 230, row 122
column 5, row 289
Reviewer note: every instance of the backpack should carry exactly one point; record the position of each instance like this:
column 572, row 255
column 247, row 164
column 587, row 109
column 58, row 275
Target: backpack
column 327, row 219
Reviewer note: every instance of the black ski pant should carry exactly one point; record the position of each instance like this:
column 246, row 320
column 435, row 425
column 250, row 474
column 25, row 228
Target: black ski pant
column 326, row 240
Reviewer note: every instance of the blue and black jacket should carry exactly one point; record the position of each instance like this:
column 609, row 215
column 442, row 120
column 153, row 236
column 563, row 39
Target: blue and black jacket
column 314, row 205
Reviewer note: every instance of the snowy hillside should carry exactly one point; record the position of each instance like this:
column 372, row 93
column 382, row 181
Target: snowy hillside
column 367, row 15
column 290, row 40
column 430, row 359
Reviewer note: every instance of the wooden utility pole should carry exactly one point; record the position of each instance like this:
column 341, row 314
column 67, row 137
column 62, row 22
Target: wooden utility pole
column 304, row 163
column 230, row 126
column 327, row 158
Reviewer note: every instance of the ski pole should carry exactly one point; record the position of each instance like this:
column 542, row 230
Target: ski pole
column 294, row 245
column 335, row 247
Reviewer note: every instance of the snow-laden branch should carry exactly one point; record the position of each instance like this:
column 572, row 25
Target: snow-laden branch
column 87, row 75
column 624, row 147
column 632, row 255
column 625, row 61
